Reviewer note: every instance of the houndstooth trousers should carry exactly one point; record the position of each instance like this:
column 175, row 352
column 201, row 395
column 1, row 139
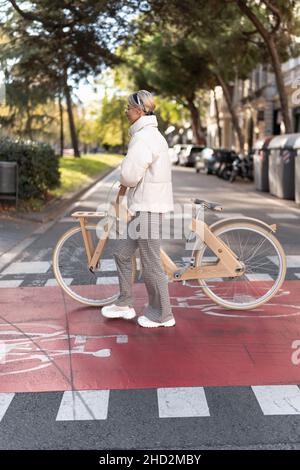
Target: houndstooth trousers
column 144, row 232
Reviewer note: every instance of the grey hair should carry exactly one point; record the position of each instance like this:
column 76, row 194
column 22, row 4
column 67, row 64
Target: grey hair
column 144, row 100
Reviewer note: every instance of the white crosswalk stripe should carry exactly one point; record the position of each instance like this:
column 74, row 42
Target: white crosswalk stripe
column 278, row 399
column 292, row 261
column 27, row 267
column 283, row 215
column 176, row 402
column 108, row 280
column 53, row 282
column 259, row 277
column 182, row 402
column 5, row 401
column 226, row 215
column 83, row 405
column 108, row 265
column 11, row 283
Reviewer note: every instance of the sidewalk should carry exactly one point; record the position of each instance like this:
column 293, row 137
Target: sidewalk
column 22, row 227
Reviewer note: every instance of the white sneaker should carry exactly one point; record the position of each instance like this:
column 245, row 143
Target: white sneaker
column 117, row 311
column 144, row 321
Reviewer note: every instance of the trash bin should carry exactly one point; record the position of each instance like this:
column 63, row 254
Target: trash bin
column 297, row 170
column 261, row 164
column 282, row 166
column 9, row 180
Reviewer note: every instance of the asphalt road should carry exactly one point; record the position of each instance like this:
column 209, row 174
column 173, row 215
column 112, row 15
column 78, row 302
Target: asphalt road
column 195, row 413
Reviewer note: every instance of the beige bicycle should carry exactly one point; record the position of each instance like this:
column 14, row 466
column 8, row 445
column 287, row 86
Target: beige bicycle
column 239, row 263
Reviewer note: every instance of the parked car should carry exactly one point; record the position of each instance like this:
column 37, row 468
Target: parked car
column 219, row 163
column 187, row 155
column 175, row 151
column 200, row 158
column 173, row 156
column 182, row 154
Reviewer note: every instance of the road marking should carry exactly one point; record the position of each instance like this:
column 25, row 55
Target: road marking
column 53, row 282
column 83, row 405
column 229, row 214
column 278, row 399
column 282, row 215
column 182, row 402
column 30, row 267
column 292, row 261
column 108, row 265
column 179, row 215
column 68, row 219
column 12, row 283
column 259, row 277
column 14, row 252
column 5, row 401
column 108, row 280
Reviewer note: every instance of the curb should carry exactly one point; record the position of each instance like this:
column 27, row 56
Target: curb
column 8, row 257
column 56, row 207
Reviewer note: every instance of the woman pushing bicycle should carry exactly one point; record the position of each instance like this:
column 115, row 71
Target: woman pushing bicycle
column 146, row 171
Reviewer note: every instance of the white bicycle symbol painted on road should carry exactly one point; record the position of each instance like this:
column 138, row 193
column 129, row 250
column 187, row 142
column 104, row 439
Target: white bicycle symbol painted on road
column 27, row 347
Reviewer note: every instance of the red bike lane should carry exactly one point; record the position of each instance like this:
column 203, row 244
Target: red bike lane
column 48, row 342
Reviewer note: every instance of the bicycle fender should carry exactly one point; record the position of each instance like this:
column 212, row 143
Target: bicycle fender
column 252, row 220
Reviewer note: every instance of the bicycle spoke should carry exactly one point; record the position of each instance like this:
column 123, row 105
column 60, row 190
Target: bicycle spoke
column 72, row 264
column 254, row 248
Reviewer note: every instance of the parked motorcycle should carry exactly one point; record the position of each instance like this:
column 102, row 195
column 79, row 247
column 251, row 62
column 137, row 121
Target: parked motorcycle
column 242, row 166
column 223, row 168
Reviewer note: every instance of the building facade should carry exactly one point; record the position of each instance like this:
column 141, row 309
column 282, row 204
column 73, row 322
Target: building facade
column 257, row 105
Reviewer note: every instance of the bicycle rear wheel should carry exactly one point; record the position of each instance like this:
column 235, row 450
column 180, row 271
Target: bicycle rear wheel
column 70, row 266
column 265, row 267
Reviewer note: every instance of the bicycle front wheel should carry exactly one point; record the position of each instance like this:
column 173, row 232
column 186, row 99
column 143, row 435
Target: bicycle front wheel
column 265, row 267
column 70, row 266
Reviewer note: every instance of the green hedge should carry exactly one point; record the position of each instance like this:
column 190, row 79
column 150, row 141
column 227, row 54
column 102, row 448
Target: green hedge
column 38, row 166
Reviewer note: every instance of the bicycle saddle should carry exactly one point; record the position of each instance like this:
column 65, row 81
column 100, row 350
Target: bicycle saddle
column 213, row 206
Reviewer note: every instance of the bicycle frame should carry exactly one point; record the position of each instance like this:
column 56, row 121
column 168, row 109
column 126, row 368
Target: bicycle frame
column 227, row 265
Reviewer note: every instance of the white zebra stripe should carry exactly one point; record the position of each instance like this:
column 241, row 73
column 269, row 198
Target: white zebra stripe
column 27, row 267
column 278, row 399
column 11, row 283
column 5, row 401
column 182, row 402
column 83, row 405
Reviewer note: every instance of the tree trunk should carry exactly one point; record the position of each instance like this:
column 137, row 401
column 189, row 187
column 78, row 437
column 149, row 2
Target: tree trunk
column 275, row 60
column 73, row 132
column 28, row 125
column 234, row 117
column 61, row 125
column 218, row 119
column 197, row 137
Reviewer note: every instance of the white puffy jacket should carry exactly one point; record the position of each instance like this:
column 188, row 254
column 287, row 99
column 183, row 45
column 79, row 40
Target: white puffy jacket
column 146, row 169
